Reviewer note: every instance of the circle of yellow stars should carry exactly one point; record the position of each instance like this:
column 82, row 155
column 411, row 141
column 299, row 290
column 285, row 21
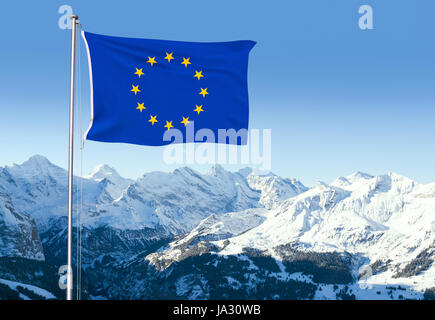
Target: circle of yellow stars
column 169, row 57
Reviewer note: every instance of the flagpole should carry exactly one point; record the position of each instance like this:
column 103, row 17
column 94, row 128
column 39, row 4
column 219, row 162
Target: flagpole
column 69, row 281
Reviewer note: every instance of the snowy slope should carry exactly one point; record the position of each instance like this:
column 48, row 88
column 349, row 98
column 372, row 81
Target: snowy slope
column 273, row 188
column 40, row 188
column 110, row 181
column 18, row 233
column 178, row 201
column 386, row 222
column 212, row 228
column 386, row 216
column 33, row 290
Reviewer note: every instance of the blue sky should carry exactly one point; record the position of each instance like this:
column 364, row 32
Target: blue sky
column 338, row 99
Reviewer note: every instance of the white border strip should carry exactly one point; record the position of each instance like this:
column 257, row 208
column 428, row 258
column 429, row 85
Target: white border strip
column 91, row 83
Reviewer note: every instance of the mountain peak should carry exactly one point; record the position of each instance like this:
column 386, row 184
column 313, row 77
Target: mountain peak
column 37, row 165
column 262, row 173
column 322, row 185
column 37, row 160
column 245, row 171
column 359, row 175
column 102, row 171
column 216, row 169
column 396, row 176
column 186, row 172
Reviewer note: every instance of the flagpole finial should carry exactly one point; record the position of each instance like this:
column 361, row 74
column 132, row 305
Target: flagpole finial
column 75, row 18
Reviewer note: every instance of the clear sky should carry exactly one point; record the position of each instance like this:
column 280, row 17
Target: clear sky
column 338, row 99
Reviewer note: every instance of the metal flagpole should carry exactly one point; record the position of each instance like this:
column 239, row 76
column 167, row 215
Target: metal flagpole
column 69, row 281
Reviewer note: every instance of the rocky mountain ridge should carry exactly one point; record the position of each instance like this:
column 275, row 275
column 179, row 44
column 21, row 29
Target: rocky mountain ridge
column 224, row 234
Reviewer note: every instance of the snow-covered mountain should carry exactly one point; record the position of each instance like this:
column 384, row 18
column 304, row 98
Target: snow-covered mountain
column 112, row 184
column 18, row 233
column 245, row 234
column 156, row 206
column 175, row 202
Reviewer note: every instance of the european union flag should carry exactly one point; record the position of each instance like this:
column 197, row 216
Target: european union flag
column 142, row 89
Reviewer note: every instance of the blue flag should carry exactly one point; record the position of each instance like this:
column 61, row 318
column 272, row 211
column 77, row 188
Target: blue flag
column 145, row 91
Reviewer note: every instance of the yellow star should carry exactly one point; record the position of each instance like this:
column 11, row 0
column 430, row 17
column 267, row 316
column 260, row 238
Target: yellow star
column 198, row 109
column 135, row 89
column 186, row 61
column 151, row 60
column 198, row 74
column 185, row 121
column 153, row 119
column 169, row 56
column 139, row 72
column 203, row 92
column 140, row 106
column 169, row 125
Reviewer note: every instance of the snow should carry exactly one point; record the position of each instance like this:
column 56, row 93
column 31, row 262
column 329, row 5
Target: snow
column 176, row 201
column 384, row 217
column 39, row 291
column 345, row 218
